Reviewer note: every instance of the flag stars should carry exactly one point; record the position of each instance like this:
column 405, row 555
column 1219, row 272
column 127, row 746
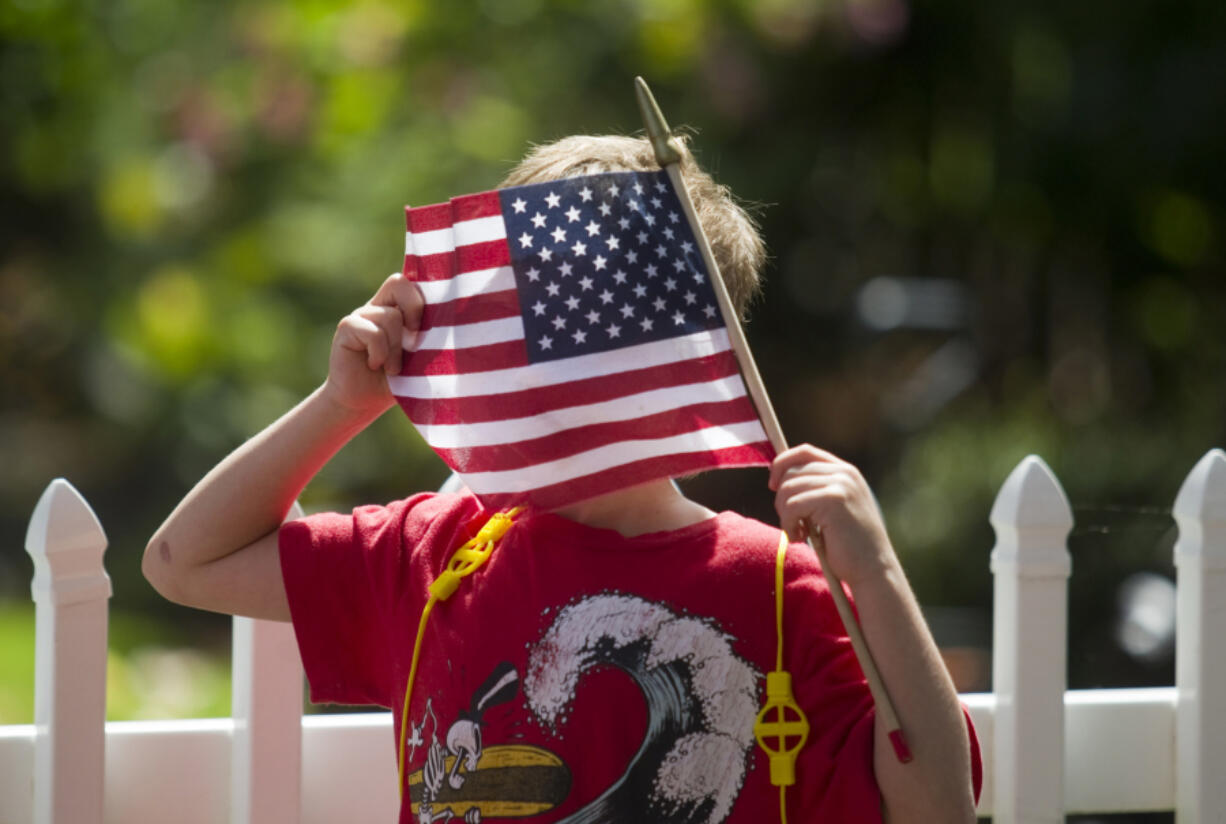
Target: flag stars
column 595, row 276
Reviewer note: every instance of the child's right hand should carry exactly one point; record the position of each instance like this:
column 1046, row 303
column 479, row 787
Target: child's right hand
column 369, row 344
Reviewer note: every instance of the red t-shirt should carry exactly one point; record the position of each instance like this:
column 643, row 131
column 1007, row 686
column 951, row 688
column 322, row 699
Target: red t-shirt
column 581, row 673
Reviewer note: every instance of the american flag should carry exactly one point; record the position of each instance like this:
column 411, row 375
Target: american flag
column 571, row 343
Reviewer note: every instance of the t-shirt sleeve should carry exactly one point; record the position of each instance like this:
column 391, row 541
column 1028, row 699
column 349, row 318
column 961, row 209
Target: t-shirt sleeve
column 976, row 755
column 831, row 688
column 342, row 573
column 836, row 780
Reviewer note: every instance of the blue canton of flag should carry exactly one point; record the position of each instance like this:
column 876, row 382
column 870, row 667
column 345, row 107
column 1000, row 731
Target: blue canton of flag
column 605, row 261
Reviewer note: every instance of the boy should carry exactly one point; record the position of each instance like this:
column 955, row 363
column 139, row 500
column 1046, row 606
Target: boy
column 606, row 662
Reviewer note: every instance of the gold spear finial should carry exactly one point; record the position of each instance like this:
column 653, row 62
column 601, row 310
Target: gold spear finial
column 666, row 148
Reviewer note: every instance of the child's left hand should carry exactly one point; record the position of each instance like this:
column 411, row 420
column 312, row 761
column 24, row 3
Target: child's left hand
column 816, row 487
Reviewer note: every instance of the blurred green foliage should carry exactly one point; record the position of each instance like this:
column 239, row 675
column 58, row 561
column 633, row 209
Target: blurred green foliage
column 193, row 194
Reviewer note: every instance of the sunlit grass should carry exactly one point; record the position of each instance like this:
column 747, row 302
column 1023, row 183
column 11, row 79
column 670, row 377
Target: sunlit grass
column 150, row 674
column 16, row 663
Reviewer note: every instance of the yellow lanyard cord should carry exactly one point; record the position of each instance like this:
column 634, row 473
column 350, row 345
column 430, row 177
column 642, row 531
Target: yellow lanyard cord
column 779, row 698
column 463, row 562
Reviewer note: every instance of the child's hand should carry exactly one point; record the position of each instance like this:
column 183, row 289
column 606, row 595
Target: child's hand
column 814, row 486
column 369, row 344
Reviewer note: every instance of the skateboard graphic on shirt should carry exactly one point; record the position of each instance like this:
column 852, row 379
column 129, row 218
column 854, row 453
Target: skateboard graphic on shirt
column 701, row 701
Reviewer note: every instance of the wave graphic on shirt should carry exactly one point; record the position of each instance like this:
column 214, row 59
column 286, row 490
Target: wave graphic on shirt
column 701, row 704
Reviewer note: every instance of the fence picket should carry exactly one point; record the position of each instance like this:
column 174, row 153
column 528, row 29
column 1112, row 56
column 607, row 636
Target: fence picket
column 1200, row 642
column 70, row 590
column 1038, row 738
column 1031, row 565
column 266, row 751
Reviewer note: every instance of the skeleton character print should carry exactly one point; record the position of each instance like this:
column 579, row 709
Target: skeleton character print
column 700, row 702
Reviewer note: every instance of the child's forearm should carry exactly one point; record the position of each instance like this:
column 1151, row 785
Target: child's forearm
column 245, row 497
column 936, row 785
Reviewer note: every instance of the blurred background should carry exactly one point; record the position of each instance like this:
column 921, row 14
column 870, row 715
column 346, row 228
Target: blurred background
column 997, row 228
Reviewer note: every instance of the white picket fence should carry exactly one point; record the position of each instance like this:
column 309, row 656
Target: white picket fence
column 1047, row 751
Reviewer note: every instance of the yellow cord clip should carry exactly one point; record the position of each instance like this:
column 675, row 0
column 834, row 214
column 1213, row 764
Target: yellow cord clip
column 463, row 562
column 780, row 699
column 468, row 558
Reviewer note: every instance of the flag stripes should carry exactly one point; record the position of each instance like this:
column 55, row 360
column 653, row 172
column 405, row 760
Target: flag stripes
column 519, row 428
column 426, row 411
column 707, row 395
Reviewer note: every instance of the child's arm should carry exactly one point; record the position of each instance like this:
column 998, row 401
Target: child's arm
column 218, row 549
column 815, row 486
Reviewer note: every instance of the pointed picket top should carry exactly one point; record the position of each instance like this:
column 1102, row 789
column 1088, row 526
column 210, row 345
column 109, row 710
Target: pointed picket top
column 66, row 541
column 1032, row 497
column 1200, row 511
column 1032, row 519
column 1203, row 494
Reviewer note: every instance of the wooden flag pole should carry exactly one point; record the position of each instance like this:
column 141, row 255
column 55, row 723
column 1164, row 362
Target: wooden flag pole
column 668, row 155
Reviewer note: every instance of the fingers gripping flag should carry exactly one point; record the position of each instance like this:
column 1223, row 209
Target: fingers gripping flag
column 571, row 343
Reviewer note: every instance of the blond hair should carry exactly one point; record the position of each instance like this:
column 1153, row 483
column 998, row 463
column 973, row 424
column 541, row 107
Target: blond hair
column 732, row 233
